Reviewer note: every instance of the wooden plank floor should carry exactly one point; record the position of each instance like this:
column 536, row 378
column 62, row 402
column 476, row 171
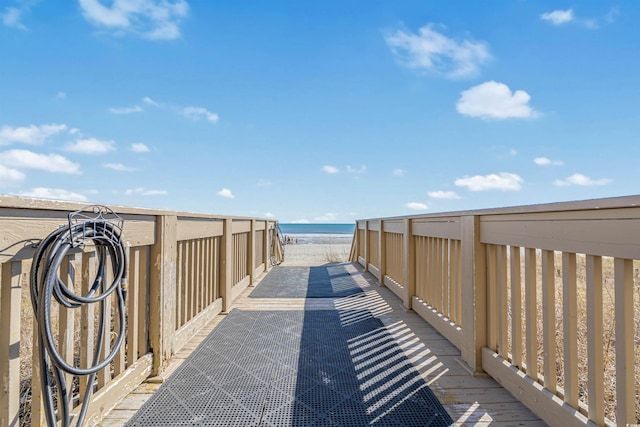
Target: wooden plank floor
column 469, row 400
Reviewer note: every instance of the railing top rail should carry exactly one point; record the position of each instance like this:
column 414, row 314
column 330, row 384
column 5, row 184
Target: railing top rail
column 580, row 205
column 16, row 202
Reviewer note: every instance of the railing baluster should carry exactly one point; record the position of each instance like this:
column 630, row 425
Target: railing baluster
column 625, row 401
column 66, row 322
column 502, row 298
column 133, row 301
column 516, row 306
column 87, row 320
column 492, row 301
column 595, row 365
column 549, row 320
column 11, row 294
column 531, row 313
column 143, row 301
column 570, row 328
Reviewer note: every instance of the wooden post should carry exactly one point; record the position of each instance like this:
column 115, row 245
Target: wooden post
column 265, row 247
column 226, row 265
column 409, row 265
column 11, row 294
column 366, row 245
column 162, row 292
column 251, row 259
column 474, row 293
column 382, row 253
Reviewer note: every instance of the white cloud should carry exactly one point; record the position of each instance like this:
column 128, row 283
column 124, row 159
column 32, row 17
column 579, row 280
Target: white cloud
column 330, row 169
column 141, row 191
column 126, row 110
column 33, row 135
column 25, row 159
column 544, row 161
column 225, row 192
column 301, row 221
column 150, row 101
column 197, row 113
column 493, row 100
column 118, row 167
column 327, row 217
column 268, row 215
column 398, row 172
column 357, row 171
column 432, row 51
column 443, row 194
column 12, row 17
column 152, row 19
column 91, row 146
column 61, row 95
column 139, row 148
column 582, row 180
column 54, row 193
column 8, row 174
column 558, row 17
column 416, row 206
column 503, row 181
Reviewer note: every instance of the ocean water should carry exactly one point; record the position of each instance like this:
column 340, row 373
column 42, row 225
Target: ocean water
column 313, row 234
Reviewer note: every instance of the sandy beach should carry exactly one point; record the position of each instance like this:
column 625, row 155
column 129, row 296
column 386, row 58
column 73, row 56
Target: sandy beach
column 316, row 254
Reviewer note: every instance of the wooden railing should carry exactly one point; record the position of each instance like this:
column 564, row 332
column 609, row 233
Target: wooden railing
column 183, row 270
column 545, row 299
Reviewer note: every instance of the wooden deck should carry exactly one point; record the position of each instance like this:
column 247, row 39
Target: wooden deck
column 469, row 400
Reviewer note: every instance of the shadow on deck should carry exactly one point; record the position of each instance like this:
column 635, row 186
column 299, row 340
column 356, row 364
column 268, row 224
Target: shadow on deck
column 320, row 346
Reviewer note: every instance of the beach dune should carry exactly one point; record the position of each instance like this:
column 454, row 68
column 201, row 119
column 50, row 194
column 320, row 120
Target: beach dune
column 316, row 254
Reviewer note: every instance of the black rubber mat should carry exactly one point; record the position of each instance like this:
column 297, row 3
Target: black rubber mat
column 327, row 281
column 295, row 368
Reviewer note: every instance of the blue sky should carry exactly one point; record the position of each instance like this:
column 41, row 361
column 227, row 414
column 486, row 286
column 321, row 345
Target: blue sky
column 320, row 111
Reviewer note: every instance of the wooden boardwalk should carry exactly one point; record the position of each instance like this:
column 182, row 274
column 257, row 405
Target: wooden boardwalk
column 469, row 400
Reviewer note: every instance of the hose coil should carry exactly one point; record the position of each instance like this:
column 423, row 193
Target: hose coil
column 46, row 284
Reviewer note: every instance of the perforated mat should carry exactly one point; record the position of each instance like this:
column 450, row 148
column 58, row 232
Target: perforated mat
column 295, row 368
column 326, row 281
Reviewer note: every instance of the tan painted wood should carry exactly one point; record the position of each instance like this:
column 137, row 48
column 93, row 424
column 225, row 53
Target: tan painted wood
column 409, row 264
column 194, row 228
column 502, row 298
column 446, row 253
column 439, row 229
column 549, row 320
column 195, row 325
column 37, row 401
column 474, row 288
column 119, row 363
column 10, row 296
column 595, row 339
column 66, row 330
column 516, row 306
column 625, row 387
column 241, row 226
column 548, row 406
column 440, row 322
column 492, row 298
column 530, row 298
column 87, row 319
column 570, row 328
column 613, row 237
column 104, row 376
column 162, row 292
column 382, row 253
column 108, row 397
column 143, row 301
column 133, row 306
column 251, row 251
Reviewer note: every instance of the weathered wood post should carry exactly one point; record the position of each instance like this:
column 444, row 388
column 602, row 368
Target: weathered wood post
column 265, row 247
column 366, row 245
column 162, row 291
column 474, row 293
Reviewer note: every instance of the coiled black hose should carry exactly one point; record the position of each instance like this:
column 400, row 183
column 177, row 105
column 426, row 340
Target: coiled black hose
column 45, row 284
